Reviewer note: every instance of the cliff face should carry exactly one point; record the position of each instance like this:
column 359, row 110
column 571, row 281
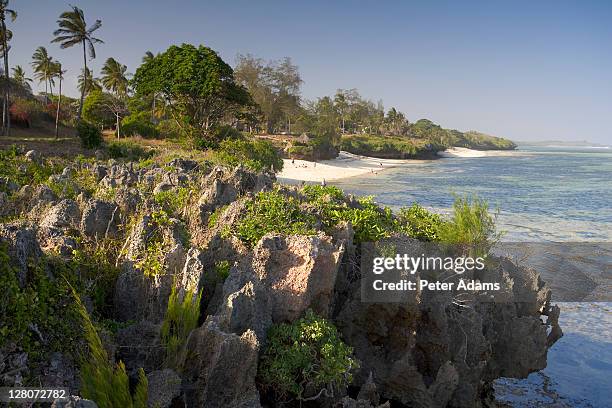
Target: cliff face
column 431, row 353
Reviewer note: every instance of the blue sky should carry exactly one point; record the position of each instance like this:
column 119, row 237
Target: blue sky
column 525, row 70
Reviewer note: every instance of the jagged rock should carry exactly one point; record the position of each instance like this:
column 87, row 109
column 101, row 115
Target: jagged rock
column 74, row 402
column 99, row 171
column 65, row 214
column 139, row 346
column 367, row 398
column 119, row 175
column 164, row 386
column 60, row 372
column 299, row 273
column 22, row 246
column 33, row 156
column 8, row 185
column 163, row 186
column 184, row 165
column 100, row 219
column 221, row 368
column 128, row 200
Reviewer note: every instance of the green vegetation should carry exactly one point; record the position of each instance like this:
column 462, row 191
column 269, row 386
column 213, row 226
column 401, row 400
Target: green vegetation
column 471, row 227
column 307, row 355
column 421, row 224
column 139, row 124
column 152, row 264
column 42, row 305
column 107, row 385
column 90, row 135
column 16, row 169
column 173, row 201
column 222, row 269
column 385, row 146
column 128, row 150
column 258, row 155
column 181, row 318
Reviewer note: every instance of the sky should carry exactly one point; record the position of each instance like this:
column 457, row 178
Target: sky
column 533, row 70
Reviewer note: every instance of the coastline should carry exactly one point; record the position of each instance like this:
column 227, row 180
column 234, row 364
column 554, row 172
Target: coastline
column 350, row 165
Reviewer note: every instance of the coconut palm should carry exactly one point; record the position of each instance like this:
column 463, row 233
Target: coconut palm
column 58, row 73
column 74, row 31
column 114, row 77
column 6, row 36
column 42, row 63
column 87, row 83
column 147, row 57
column 20, row 77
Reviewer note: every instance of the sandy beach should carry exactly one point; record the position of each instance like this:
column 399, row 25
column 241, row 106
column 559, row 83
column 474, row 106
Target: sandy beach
column 345, row 165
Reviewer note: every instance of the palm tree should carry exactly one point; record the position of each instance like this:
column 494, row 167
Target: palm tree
column 147, row 57
column 87, row 83
column 73, row 30
column 114, row 77
column 20, row 77
column 42, row 63
column 6, row 36
column 57, row 72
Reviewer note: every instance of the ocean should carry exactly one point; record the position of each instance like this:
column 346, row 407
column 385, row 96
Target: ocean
column 542, row 195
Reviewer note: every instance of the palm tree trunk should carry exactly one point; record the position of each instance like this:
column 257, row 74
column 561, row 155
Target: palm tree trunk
column 7, row 93
column 59, row 102
column 85, row 77
column 118, row 126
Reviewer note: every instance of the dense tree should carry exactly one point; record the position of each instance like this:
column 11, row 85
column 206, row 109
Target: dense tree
column 20, row 77
column 114, row 79
column 74, row 31
column 274, row 86
column 6, row 35
column 196, row 84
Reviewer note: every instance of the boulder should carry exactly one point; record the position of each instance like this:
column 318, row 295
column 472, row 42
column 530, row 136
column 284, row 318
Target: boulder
column 22, row 246
column 100, row 219
column 164, row 387
column 33, row 156
column 220, row 368
column 65, row 214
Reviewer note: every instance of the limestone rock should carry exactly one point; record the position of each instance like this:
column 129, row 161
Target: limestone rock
column 100, row 219
column 164, row 386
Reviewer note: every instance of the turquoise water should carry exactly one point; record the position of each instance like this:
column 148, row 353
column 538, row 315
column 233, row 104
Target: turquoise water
column 550, row 194
column 543, row 195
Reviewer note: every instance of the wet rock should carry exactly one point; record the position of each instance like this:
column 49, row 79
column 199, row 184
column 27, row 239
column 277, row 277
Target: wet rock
column 164, row 386
column 100, row 219
column 222, row 368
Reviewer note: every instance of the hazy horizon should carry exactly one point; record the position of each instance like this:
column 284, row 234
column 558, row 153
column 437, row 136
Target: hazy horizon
column 525, row 71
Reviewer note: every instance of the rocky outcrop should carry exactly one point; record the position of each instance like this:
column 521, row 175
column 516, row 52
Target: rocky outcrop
column 22, row 246
column 164, row 387
column 100, row 219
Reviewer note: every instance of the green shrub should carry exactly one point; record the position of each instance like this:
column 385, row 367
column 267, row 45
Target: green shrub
column 107, row 385
column 139, row 124
column 257, row 155
column 181, row 318
column 272, row 211
column 128, row 150
column 417, row 222
column 307, row 355
column 222, row 269
column 44, row 303
column 471, row 226
column 172, row 201
column 16, row 169
column 169, row 129
column 90, row 135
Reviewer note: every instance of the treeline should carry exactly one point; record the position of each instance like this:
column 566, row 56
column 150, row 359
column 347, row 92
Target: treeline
column 189, row 92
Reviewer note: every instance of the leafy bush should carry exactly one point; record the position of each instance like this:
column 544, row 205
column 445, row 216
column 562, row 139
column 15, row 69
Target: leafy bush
column 222, row 269
column 14, row 168
column 96, row 109
column 128, row 150
column 90, row 135
column 471, row 227
column 272, row 211
column 107, row 386
column 169, row 129
column 172, row 201
column 139, row 124
column 417, row 222
column 257, row 155
column 181, row 318
column 306, row 356
column 383, row 146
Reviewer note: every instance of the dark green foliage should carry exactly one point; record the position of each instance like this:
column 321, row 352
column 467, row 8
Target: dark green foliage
column 181, row 318
column 139, row 124
column 44, row 305
column 222, row 269
column 107, row 385
column 384, row 146
column 417, row 222
column 97, row 109
column 199, row 83
column 173, row 201
column 272, row 211
column 90, row 134
column 128, row 150
column 307, row 355
column 258, row 155
column 16, row 169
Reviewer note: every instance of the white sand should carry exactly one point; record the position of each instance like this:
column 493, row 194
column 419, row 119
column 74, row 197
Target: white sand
column 465, row 152
column 345, row 165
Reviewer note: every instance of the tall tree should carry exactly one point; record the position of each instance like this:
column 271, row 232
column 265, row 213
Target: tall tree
column 114, row 78
column 42, row 63
column 20, row 77
column 6, row 36
column 87, row 83
column 59, row 73
column 74, row 31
